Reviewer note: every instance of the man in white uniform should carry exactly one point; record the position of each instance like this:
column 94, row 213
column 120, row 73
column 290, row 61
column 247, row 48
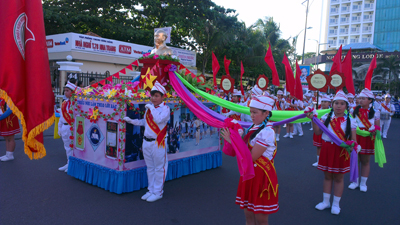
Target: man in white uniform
column 155, row 155
column 387, row 111
column 297, row 129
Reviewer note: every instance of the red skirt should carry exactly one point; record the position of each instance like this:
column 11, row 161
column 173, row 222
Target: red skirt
column 367, row 145
column 248, row 194
column 317, row 140
column 333, row 158
column 9, row 126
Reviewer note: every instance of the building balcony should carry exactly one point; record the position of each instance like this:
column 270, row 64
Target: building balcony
column 344, row 20
column 345, row 9
column 342, row 41
column 346, row 0
column 355, row 19
column 344, row 31
column 333, row 21
column 354, row 40
column 356, row 7
column 367, row 18
column 366, row 40
column 367, row 29
column 355, row 30
column 334, row 1
column 332, row 42
column 334, row 10
column 332, row 32
column 368, row 6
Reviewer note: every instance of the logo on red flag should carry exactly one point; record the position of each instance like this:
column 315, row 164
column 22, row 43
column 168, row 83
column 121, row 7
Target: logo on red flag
column 20, row 30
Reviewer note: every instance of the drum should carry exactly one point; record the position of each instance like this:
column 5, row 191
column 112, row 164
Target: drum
column 385, row 116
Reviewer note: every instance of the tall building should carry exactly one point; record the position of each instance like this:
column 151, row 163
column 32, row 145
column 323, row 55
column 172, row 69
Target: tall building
column 350, row 21
column 387, row 25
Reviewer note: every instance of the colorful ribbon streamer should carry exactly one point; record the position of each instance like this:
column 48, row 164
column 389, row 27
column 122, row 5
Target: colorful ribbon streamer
column 5, row 114
column 380, row 156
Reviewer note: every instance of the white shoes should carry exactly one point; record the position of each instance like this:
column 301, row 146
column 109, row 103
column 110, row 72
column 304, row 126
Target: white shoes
column 291, row 136
column 311, row 128
column 335, row 210
column 277, row 139
column 286, row 135
column 315, row 164
column 146, row 196
column 384, row 136
column 154, row 198
column 7, row 158
column 293, row 133
column 300, row 134
column 322, row 206
column 64, row 168
column 353, row 186
column 363, row 188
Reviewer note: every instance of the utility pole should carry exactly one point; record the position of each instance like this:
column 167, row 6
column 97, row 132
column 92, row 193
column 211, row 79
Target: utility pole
column 305, row 33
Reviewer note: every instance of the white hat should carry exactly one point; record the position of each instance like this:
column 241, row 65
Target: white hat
column 388, row 95
column 236, row 93
column 367, row 93
column 340, row 95
column 378, row 97
column 158, row 87
column 325, row 98
column 71, row 86
column 262, row 102
column 256, row 90
column 350, row 95
column 279, row 92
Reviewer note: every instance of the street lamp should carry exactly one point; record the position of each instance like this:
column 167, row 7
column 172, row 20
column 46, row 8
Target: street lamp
column 295, row 44
column 305, row 32
column 317, row 55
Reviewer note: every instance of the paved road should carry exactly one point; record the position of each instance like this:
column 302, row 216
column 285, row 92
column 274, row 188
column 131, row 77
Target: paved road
column 35, row 192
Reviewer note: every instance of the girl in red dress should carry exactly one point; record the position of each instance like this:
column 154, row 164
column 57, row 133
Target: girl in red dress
column 366, row 117
column 258, row 197
column 335, row 160
column 317, row 140
column 8, row 128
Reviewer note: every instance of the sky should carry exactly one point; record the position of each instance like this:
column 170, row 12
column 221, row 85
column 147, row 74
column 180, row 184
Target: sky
column 289, row 14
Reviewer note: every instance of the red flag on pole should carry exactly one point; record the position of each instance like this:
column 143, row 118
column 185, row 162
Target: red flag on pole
column 368, row 78
column 347, row 70
column 241, row 76
column 25, row 82
column 269, row 59
column 215, row 68
column 337, row 61
column 298, row 87
column 226, row 65
column 289, row 75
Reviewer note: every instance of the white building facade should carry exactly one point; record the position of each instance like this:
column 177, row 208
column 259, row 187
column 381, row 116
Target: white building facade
column 350, row 21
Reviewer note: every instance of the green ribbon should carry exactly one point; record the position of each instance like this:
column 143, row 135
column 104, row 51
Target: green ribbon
column 348, row 148
column 276, row 115
column 380, row 156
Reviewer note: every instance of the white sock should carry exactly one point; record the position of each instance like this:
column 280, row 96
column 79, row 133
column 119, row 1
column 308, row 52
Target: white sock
column 358, row 181
column 317, row 158
column 364, row 181
column 277, row 135
column 336, row 201
column 9, row 154
column 326, row 198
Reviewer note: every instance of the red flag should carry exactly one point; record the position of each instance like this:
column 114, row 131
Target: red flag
column 368, row 78
column 116, row 75
column 269, row 59
column 215, row 68
column 102, row 82
column 298, row 89
column 25, row 82
column 123, row 71
column 337, row 61
column 226, row 65
column 95, row 85
column 347, row 70
column 110, row 78
column 241, row 75
column 129, row 67
column 135, row 63
column 289, row 75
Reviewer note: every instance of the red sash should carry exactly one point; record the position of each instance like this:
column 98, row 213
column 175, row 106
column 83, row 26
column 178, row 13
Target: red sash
column 267, row 166
column 225, row 110
column 336, row 127
column 235, row 117
column 161, row 134
column 64, row 110
column 363, row 116
column 385, row 107
column 278, row 105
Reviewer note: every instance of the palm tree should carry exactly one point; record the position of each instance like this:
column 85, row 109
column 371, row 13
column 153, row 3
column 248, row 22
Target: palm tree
column 390, row 65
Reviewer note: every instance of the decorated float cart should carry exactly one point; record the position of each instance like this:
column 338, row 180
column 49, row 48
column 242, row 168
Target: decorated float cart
column 107, row 152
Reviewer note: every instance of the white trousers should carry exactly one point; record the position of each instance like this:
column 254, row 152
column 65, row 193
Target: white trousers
column 385, row 124
column 297, row 128
column 157, row 166
column 65, row 133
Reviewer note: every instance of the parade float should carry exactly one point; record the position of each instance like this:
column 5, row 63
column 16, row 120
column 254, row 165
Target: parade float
column 107, row 151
